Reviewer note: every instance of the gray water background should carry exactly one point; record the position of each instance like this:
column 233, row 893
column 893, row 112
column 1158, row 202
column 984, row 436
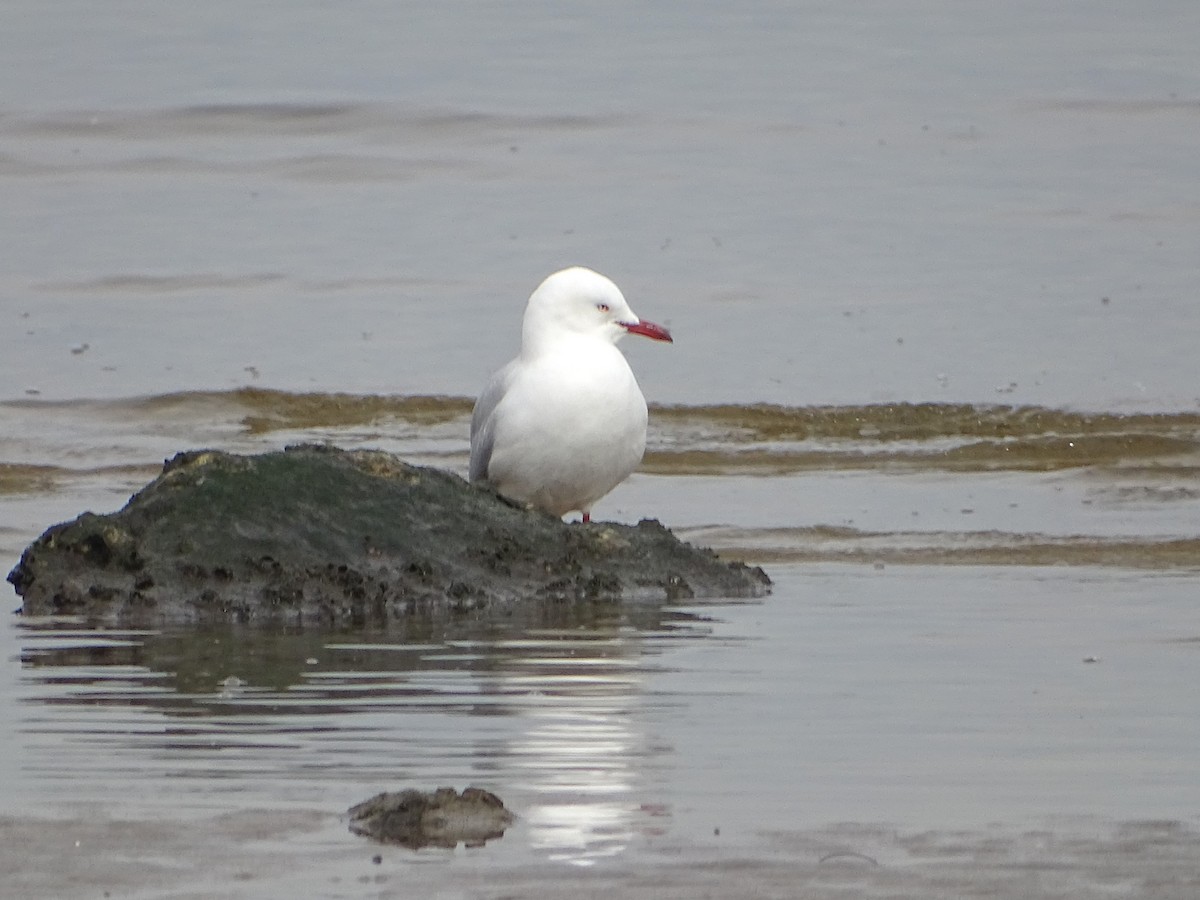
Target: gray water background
column 828, row 203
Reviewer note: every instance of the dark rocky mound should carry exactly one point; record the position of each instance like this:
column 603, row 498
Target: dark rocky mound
column 444, row 818
column 315, row 535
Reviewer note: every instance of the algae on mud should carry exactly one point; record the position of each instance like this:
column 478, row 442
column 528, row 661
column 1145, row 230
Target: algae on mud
column 313, row 535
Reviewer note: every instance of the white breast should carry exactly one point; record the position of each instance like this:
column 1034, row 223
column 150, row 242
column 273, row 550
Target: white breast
column 570, row 427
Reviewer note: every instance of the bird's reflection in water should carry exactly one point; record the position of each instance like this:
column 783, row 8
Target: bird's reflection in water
column 577, row 753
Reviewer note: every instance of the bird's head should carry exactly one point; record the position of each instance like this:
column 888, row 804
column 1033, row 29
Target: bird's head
column 579, row 301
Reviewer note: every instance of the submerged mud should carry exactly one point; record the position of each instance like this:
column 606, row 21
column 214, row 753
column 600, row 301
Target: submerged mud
column 750, row 439
column 768, row 439
column 969, row 548
column 314, row 535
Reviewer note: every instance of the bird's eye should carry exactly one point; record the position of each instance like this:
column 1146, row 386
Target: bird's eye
column 603, row 307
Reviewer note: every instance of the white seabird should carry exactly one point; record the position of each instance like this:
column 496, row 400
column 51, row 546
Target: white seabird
column 565, row 422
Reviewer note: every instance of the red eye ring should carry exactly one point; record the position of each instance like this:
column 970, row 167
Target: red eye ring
column 603, row 307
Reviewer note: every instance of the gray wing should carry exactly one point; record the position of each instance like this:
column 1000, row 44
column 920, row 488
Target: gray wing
column 483, row 425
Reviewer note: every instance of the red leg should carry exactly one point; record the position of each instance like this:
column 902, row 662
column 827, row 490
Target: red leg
column 587, row 517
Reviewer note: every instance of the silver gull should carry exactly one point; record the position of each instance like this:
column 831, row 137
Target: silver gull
column 565, row 422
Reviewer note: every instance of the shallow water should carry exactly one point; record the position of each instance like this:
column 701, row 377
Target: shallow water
column 931, row 269
column 976, row 717
column 912, row 695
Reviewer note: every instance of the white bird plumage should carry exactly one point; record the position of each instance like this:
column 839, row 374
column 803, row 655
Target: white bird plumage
column 565, row 422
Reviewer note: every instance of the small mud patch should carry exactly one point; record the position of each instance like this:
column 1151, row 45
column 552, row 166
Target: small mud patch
column 445, row 818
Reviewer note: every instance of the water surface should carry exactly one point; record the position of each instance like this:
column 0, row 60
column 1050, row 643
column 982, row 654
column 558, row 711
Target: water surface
column 926, row 201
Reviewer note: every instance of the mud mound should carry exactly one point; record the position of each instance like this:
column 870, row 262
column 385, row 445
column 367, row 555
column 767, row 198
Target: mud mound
column 315, row 535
